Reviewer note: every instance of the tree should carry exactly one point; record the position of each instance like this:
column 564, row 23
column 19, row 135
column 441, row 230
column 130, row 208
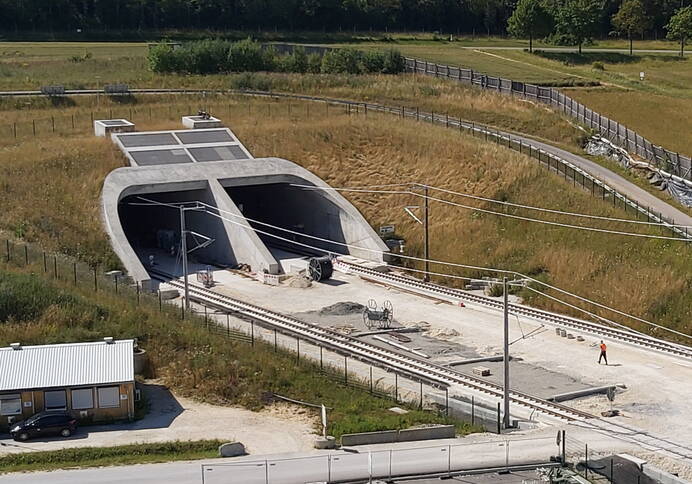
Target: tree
column 680, row 27
column 578, row 19
column 631, row 19
column 530, row 20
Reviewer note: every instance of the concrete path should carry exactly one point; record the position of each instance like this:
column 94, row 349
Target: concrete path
column 617, row 182
column 584, row 49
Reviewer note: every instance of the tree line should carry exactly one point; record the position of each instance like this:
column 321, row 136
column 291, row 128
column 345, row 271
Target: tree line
column 574, row 22
column 445, row 16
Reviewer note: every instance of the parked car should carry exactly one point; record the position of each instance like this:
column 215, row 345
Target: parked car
column 44, row 424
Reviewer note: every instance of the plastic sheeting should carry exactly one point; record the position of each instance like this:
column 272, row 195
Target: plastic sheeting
column 678, row 188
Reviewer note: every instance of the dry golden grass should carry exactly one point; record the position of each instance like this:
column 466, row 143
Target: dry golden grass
column 50, row 193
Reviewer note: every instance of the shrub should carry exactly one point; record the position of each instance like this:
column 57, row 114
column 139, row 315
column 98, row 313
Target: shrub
column 314, row 63
column 394, row 62
column 598, row 65
column 297, row 61
column 342, row 61
column 205, row 56
column 373, row 61
column 249, row 56
column 162, row 58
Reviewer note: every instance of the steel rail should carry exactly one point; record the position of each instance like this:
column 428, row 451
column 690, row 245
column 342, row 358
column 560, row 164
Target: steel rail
column 414, row 367
column 576, row 324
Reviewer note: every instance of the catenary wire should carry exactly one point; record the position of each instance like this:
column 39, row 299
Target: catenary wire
column 420, row 259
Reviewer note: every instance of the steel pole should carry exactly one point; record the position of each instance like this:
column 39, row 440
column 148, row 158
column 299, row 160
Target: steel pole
column 505, row 356
column 426, row 277
column 183, row 250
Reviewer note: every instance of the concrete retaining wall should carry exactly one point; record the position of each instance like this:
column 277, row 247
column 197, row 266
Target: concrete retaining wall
column 405, row 435
column 428, row 433
column 366, row 438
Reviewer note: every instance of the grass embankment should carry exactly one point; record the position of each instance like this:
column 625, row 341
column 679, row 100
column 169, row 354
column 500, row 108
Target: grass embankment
column 190, row 360
column 346, row 151
column 109, row 456
column 659, row 107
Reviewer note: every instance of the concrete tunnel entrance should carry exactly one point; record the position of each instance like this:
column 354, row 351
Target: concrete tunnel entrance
column 155, row 230
column 294, row 208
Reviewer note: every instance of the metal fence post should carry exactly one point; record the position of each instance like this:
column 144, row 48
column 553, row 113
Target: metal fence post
column 498, row 418
column 26, row 255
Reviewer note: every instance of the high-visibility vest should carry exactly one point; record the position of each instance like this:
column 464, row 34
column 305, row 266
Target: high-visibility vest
column 603, row 347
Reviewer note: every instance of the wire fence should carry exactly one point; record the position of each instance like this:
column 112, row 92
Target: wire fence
column 332, row 107
column 337, row 366
column 671, row 162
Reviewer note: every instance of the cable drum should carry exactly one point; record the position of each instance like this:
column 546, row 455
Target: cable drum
column 320, row 268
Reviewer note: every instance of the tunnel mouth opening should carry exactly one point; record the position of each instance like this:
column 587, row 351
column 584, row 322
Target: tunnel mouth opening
column 304, row 212
column 152, row 225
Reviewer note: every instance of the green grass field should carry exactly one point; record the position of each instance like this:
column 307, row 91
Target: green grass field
column 667, row 84
column 120, row 455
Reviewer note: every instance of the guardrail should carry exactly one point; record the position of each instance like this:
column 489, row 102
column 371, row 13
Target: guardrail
column 672, row 162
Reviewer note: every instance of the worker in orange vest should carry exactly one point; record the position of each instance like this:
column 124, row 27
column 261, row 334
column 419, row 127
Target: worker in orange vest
column 603, row 354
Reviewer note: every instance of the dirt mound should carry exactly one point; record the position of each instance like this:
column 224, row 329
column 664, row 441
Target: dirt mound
column 342, row 309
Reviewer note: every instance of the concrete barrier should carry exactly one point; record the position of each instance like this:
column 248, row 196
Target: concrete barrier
column 366, row 438
column 428, row 433
column 405, row 435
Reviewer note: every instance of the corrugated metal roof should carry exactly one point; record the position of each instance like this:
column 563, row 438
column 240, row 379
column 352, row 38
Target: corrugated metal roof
column 69, row 364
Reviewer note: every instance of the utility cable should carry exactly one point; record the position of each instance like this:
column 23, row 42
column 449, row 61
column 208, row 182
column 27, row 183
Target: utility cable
column 519, row 217
column 419, row 259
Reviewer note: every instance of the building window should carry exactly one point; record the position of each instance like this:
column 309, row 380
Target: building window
column 10, row 404
column 55, row 400
column 109, row 397
column 82, row 398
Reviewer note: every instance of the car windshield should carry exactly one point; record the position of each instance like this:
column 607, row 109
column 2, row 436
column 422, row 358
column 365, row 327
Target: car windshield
column 33, row 419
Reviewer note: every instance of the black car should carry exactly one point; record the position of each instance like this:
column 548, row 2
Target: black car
column 44, row 424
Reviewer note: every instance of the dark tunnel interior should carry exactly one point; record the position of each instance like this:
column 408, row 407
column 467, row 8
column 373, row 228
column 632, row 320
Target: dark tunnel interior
column 155, row 229
column 293, row 208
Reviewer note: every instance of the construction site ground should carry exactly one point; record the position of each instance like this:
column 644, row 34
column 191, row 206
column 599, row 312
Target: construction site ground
column 654, row 391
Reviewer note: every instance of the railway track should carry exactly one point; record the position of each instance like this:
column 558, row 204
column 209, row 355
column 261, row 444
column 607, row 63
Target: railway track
column 566, row 322
column 410, row 366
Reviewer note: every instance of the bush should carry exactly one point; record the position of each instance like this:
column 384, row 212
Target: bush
column 394, row 62
column 373, row 61
column 206, row 56
column 342, row 61
column 249, row 56
column 598, row 65
column 162, row 58
column 297, row 61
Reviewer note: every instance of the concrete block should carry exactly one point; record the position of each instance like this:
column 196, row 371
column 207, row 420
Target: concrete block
column 168, row 294
column 328, row 442
column 570, row 336
column 231, row 449
column 427, row 433
column 481, row 370
column 104, row 127
column 200, row 122
column 366, row 438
